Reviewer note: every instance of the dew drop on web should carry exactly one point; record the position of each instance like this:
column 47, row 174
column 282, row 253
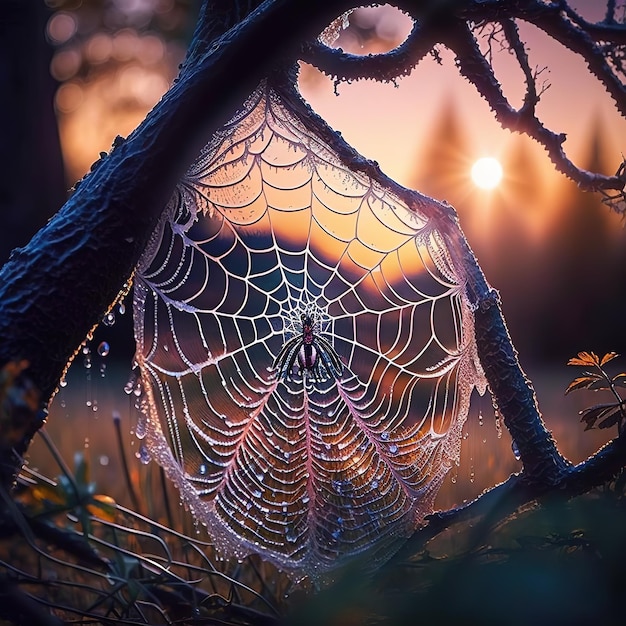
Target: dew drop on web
column 109, row 319
column 143, row 454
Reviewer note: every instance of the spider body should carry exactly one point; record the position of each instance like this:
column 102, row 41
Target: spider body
column 310, row 352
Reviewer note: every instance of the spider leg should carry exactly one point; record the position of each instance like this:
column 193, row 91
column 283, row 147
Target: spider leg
column 329, row 357
column 286, row 358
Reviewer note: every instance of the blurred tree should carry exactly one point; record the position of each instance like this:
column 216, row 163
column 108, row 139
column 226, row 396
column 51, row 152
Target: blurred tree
column 29, row 144
column 583, row 266
column 444, row 160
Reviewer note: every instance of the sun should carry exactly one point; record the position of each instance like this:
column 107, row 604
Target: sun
column 487, row 173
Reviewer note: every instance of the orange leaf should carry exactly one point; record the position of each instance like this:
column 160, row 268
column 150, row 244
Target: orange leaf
column 585, row 358
column 49, row 493
column 103, row 507
column 583, row 382
column 620, row 379
column 609, row 356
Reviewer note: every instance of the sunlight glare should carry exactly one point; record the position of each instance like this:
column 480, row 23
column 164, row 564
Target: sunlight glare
column 487, row 173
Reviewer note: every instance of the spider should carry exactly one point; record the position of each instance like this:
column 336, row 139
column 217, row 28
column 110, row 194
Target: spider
column 313, row 354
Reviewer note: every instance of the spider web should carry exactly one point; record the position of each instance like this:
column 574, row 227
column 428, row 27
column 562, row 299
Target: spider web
column 268, row 224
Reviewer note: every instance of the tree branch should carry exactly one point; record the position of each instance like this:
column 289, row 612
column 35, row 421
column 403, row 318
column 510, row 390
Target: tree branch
column 473, row 65
column 504, row 499
column 531, row 98
column 451, row 24
column 570, row 30
column 93, row 243
column 383, row 67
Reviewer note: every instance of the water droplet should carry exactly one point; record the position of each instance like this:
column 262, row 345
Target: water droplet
column 248, row 505
column 515, row 449
column 121, row 308
column 104, row 348
column 104, row 460
column 287, row 455
column 130, row 383
column 453, row 479
column 109, row 319
column 203, row 469
column 86, row 442
column 87, row 362
column 291, row 535
column 103, row 370
column 143, row 455
column 393, row 448
column 257, row 493
column 86, row 349
column 384, row 435
column 336, row 534
column 140, row 429
column 341, row 486
column 374, row 484
column 63, row 383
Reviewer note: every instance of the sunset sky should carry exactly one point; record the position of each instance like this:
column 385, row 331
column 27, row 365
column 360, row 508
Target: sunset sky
column 524, row 219
column 389, row 123
column 392, row 124
column 514, row 228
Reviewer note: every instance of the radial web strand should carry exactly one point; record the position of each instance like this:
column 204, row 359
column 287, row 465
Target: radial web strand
column 305, row 346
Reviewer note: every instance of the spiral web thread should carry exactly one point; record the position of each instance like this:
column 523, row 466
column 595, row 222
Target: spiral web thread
column 307, row 471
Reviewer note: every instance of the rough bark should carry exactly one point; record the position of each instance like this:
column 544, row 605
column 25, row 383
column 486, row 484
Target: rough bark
column 58, row 287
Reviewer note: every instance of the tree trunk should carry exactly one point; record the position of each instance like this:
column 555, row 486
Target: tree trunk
column 32, row 181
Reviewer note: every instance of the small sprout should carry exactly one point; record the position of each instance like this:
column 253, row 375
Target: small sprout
column 607, row 414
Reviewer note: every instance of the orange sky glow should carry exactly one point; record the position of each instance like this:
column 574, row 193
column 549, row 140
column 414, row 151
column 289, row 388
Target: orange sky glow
column 389, row 122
